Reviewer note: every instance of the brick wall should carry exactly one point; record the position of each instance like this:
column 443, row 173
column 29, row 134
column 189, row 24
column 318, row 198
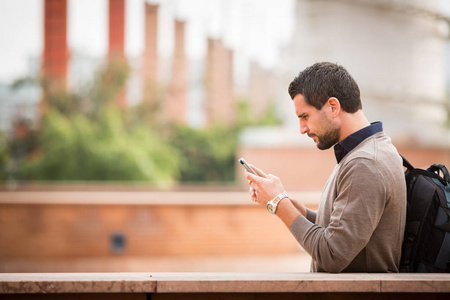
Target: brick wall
column 64, row 229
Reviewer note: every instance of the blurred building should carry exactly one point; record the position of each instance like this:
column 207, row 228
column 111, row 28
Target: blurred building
column 395, row 50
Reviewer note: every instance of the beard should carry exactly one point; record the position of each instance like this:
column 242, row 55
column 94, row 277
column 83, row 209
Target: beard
column 329, row 138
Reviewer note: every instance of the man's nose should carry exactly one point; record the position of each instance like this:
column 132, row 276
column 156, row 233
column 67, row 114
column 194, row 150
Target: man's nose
column 303, row 127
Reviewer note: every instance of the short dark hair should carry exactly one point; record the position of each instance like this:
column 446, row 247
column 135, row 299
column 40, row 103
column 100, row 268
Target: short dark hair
column 324, row 80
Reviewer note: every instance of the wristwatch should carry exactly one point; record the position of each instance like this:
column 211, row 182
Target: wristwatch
column 272, row 204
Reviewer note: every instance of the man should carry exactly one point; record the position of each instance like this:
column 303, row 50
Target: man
column 359, row 225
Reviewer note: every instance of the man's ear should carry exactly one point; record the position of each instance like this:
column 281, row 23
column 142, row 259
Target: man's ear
column 335, row 106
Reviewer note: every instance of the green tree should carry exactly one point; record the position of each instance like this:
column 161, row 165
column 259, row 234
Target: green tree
column 86, row 136
column 210, row 153
column 78, row 148
column 4, row 157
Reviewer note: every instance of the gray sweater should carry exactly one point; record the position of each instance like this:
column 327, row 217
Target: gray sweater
column 360, row 222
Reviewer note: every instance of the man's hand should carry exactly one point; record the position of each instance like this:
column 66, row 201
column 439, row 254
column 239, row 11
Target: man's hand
column 264, row 187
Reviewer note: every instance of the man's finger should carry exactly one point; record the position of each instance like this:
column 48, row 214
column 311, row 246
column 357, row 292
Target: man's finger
column 259, row 171
column 251, row 177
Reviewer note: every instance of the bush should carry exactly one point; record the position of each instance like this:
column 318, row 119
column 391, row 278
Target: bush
column 4, row 157
column 86, row 136
column 209, row 154
column 78, row 148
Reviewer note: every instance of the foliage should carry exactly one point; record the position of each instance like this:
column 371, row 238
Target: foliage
column 4, row 157
column 78, row 148
column 14, row 151
column 209, row 153
column 92, row 101
column 248, row 118
column 86, row 136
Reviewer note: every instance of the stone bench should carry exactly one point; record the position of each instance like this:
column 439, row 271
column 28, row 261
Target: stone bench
column 223, row 286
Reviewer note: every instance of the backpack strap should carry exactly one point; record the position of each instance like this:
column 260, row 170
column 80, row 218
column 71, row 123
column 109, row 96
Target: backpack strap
column 439, row 167
column 432, row 171
column 406, row 163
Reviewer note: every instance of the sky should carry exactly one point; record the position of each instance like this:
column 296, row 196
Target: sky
column 255, row 29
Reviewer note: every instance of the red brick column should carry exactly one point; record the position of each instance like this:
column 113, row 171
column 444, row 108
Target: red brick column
column 55, row 53
column 219, row 104
column 152, row 92
column 151, row 43
column 117, row 28
column 116, row 49
column 55, row 42
column 176, row 106
column 262, row 86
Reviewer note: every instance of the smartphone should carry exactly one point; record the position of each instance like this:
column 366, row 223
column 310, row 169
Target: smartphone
column 247, row 166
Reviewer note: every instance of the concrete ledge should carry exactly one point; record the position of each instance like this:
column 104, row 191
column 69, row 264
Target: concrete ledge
column 182, row 283
column 142, row 197
column 57, row 283
column 265, row 283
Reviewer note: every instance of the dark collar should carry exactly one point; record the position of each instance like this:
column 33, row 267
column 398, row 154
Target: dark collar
column 349, row 143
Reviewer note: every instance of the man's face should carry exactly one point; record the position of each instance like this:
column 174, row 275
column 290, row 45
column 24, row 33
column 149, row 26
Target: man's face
column 317, row 124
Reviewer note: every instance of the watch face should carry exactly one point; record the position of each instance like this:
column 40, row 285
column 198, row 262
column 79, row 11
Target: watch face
column 270, row 208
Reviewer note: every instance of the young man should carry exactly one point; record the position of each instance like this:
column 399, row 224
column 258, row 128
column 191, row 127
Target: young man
column 359, row 225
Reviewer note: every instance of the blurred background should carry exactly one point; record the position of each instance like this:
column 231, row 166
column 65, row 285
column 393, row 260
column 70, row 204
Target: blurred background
column 121, row 122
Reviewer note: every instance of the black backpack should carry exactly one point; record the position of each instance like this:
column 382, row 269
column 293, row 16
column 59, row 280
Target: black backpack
column 426, row 244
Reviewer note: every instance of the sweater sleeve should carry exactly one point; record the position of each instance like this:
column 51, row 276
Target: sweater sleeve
column 356, row 211
column 311, row 215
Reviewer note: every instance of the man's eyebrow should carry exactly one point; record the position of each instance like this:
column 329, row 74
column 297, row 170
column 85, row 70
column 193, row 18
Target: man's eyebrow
column 301, row 115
